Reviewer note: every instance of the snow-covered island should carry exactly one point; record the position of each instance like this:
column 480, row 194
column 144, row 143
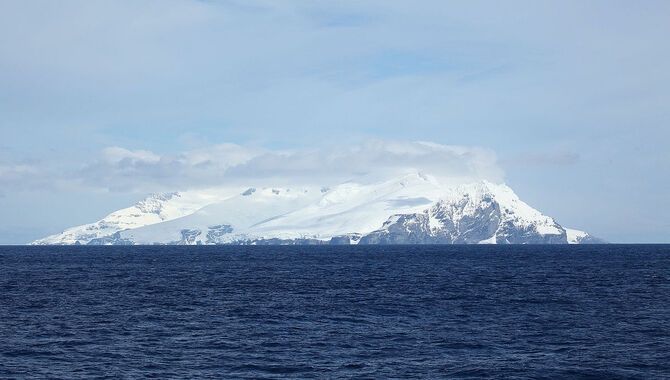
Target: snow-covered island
column 414, row 208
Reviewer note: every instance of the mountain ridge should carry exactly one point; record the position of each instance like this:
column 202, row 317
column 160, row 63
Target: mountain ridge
column 414, row 208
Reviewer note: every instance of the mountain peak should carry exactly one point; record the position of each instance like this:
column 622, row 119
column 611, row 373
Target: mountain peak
column 414, row 208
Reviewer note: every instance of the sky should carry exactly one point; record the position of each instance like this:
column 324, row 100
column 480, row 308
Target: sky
column 103, row 102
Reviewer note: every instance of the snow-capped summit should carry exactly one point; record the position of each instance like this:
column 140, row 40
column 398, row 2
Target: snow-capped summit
column 414, row 208
column 156, row 208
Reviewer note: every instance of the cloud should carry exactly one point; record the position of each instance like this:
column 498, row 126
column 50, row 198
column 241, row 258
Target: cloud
column 287, row 71
column 123, row 170
column 117, row 155
column 15, row 176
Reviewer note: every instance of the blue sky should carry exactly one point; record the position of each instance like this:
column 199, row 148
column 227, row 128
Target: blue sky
column 573, row 97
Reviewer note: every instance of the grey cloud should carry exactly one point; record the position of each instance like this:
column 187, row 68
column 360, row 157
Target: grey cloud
column 123, row 170
column 236, row 165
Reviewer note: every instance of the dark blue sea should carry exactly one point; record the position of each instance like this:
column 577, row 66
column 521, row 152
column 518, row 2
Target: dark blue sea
column 541, row 312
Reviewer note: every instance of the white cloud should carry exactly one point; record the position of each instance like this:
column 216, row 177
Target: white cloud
column 116, row 155
column 14, row 176
column 123, row 170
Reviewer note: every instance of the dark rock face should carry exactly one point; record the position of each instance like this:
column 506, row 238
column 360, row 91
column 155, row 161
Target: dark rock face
column 456, row 227
column 153, row 204
column 510, row 234
column 469, row 229
column 249, row 191
column 188, row 236
column 401, row 229
column 215, row 232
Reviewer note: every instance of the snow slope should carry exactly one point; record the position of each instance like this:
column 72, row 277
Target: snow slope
column 581, row 237
column 414, row 208
column 156, row 208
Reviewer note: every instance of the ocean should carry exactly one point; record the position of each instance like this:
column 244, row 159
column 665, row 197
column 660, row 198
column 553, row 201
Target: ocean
column 541, row 312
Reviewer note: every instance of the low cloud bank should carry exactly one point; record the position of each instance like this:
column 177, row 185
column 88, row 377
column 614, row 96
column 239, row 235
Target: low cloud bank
column 119, row 169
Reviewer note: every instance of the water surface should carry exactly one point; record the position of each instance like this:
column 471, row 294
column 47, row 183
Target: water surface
column 312, row 312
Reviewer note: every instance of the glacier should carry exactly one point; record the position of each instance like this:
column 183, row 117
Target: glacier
column 413, row 208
